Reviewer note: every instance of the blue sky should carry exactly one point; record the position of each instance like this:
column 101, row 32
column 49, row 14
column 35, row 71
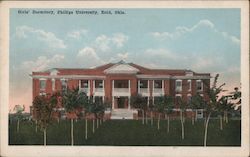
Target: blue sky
column 203, row 40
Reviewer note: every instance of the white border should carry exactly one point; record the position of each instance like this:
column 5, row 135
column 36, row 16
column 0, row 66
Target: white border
column 122, row 151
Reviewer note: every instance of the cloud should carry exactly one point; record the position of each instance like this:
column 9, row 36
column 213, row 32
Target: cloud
column 42, row 63
column 77, row 34
column 106, row 43
column 48, row 37
column 182, row 30
column 161, row 54
column 88, row 57
column 122, row 56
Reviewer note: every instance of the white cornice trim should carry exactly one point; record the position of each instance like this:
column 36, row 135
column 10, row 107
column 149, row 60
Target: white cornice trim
column 69, row 76
column 153, row 76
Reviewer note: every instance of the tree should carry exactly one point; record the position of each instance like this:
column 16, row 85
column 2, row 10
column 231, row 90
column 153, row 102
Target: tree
column 213, row 103
column 139, row 103
column 164, row 105
column 73, row 101
column 169, row 108
column 19, row 112
column 43, row 106
column 160, row 106
column 151, row 109
column 197, row 103
column 182, row 107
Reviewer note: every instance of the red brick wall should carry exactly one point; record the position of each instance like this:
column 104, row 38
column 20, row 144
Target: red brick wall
column 167, row 87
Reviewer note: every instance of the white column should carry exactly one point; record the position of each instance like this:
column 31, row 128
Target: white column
column 93, row 87
column 79, row 84
column 129, row 87
column 113, row 83
column 113, row 103
column 139, row 87
column 162, row 86
column 129, row 103
column 153, row 89
column 103, row 87
column 148, row 88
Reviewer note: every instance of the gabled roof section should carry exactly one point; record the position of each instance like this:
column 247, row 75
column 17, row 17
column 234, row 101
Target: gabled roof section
column 121, row 68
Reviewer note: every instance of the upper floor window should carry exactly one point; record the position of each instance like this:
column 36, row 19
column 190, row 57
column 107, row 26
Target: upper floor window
column 189, row 85
column 53, row 84
column 178, row 85
column 64, row 84
column 98, row 84
column 199, row 85
column 143, row 84
column 157, row 83
column 84, row 84
column 42, row 84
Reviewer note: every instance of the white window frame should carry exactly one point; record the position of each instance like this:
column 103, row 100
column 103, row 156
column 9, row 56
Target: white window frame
column 201, row 85
column 42, row 79
column 53, row 84
column 189, row 82
column 176, row 89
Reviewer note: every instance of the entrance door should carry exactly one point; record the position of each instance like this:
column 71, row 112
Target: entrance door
column 122, row 102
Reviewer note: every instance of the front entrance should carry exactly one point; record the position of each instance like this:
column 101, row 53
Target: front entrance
column 121, row 102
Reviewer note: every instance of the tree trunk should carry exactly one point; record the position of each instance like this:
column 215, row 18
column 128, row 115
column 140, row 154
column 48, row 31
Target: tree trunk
column 36, row 126
column 58, row 120
column 206, row 127
column 97, row 123
column 93, row 126
column 196, row 118
column 18, row 123
column 168, row 123
column 142, row 116
column 182, row 125
column 159, row 117
column 226, row 117
column 151, row 115
column 221, row 123
column 86, row 128
column 72, row 132
column 146, row 118
column 44, row 137
column 100, row 121
column 192, row 120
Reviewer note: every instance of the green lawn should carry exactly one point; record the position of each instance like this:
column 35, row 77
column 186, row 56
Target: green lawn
column 129, row 133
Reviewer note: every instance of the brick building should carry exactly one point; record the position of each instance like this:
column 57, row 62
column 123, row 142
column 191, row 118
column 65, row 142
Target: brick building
column 117, row 82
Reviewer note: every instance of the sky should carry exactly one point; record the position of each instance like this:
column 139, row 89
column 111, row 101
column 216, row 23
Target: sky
column 203, row 40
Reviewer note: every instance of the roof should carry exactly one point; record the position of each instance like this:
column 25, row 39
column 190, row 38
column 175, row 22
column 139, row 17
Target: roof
column 120, row 67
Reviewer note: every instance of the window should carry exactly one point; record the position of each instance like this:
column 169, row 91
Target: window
column 53, row 84
column 189, row 85
column 199, row 85
column 42, row 84
column 189, row 98
column 98, row 84
column 143, row 84
column 178, row 85
column 84, row 84
column 157, row 83
column 64, row 85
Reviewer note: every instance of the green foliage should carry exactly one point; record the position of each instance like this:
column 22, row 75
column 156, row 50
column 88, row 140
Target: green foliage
column 96, row 108
column 197, row 102
column 19, row 111
column 138, row 102
column 43, row 107
column 73, row 99
column 164, row 104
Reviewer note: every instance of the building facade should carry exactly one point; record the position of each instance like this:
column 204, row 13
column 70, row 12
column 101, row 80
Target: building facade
column 117, row 82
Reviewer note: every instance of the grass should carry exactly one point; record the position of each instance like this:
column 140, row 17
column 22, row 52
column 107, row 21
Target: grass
column 129, row 133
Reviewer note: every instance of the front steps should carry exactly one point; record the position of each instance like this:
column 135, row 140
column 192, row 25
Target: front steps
column 123, row 114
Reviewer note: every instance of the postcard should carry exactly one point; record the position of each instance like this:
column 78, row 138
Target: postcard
column 125, row 78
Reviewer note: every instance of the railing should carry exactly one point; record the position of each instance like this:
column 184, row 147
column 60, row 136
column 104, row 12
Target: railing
column 121, row 90
column 143, row 90
column 85, row 90
column 98, row 89
column 157, row 90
